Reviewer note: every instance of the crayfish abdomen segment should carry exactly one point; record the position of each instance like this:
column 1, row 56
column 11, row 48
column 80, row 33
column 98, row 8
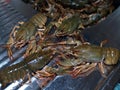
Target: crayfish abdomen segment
column 9, row 75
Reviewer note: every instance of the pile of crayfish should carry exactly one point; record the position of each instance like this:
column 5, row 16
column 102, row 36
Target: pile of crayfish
column 91, row 11
column 55, row 39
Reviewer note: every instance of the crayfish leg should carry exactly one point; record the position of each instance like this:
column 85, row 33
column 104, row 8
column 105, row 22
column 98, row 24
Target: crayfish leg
column 9, row 51
column 43, row 73
column 13, row 30
column 83, row 70
column 27, row 79
column 102, row 69
column 88, row 70
column 10, row 54
column 43, row 78
column 83, row 41
column 43, row 81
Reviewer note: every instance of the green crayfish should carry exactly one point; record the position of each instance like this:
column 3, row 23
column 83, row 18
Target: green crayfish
column 82, row 60
column 26, row 68
column 27, row 32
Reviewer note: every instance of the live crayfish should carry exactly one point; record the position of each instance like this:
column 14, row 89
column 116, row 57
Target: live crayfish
column 86, row 9
column 27, row 67
column 23, row 36
column 82, row 60
column 34, row 31
column 77, row 60
column 69, row 25
column 26, row 33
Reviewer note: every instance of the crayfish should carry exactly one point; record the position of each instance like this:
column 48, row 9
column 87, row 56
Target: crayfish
column 87, row 9
column 81, row 60
column 26, row 68
column 27, row 33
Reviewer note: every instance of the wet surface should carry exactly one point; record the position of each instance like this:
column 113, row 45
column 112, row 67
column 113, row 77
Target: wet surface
column 14, row 10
